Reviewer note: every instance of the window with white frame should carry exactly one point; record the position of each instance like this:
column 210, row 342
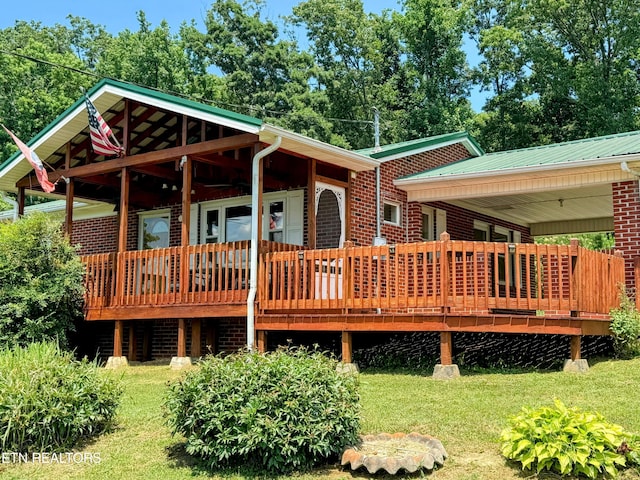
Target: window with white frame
column 392, row 213
column 434, row 223
column 480, row 231
column 229, row 220
column 154, row 229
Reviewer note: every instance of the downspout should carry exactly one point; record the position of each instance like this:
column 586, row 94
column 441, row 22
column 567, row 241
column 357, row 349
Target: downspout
column 11, row 202
column 376, row 149
column 256, row 210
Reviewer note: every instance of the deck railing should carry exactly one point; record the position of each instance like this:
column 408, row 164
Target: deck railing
column 194, row 274
column 442, row 276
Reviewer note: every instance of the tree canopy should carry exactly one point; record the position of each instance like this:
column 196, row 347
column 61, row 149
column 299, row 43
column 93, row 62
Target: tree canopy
column 552, row 70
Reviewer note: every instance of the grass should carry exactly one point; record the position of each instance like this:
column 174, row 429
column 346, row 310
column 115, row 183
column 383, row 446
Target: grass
column 466, row 414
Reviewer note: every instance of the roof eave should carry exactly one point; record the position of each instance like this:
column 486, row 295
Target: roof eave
column 316, row 149
column 408, row 182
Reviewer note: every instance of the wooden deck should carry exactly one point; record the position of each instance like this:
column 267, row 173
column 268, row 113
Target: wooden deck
column 431, row 286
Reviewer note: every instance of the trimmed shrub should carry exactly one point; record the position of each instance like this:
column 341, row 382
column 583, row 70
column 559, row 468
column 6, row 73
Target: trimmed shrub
column 49, row 401
column 276, row 412
column 567, row 441
column 41, row 282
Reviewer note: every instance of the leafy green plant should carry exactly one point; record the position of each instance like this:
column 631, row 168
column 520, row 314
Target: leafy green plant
column 49, row 401
column 277, row 412
column 566, row 441
column 625, row 327
column 41, row 282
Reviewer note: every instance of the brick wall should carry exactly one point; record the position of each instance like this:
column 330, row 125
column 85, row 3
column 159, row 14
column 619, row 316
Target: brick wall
column 96, row 235
column 626, row 224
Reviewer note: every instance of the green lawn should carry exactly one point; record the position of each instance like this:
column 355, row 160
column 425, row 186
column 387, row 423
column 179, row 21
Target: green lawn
column 467, row 414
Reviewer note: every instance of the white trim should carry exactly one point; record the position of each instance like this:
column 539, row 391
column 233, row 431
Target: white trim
column 519, row 170
column 471, row 148
column 165, row 212
column 340, row 194
column 398, row 208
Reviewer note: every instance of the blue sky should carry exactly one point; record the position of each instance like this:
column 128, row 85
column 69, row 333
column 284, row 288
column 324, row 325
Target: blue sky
column 116, row 15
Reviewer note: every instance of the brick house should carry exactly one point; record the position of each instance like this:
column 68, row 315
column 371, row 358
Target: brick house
column 427, row 235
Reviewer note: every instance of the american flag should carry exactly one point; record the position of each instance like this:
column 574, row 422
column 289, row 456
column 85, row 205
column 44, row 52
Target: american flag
column 36, row 163
column 100, row 133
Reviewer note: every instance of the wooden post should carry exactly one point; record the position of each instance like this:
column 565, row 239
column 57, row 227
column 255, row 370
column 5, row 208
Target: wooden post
column 68, row 216
column 21, row 200
column 311, row 204
column 186, row 200
column 127, row 127
column 132, row 341
column 576, row 346
column 196, row 336
column 347, row 347
column 117, row 339
column 261, row 336
column 124, row 210
column 182, row 338
column 445, row 271
column 446, row 348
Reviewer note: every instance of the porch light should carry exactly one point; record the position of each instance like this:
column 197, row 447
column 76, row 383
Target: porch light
column 165, row 186
column 174, row 188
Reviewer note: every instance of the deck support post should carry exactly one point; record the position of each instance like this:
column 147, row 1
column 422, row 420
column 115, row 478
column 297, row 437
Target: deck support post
column 446, row 369
column 347, row 366
column 196, row 337
column 576, row 364
column 117, row 360
column 132, row 341
column 181, row 360
column 261, row 337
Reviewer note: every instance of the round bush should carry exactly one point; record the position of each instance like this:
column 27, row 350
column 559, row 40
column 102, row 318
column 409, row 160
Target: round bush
column 49, row 401
column 276, row 412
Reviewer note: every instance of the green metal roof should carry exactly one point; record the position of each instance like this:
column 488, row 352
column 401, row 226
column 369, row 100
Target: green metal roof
column 558, row 154
column 428, row 143
column 251, row 122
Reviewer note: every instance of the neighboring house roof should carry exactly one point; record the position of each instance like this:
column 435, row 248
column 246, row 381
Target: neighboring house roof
column 81, row 209
column 107, row 93
column 394, row 151
column 597, row 150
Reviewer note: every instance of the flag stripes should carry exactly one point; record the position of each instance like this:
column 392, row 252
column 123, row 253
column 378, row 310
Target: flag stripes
column 101, row 134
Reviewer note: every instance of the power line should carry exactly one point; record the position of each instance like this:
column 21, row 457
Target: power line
column 250, row 108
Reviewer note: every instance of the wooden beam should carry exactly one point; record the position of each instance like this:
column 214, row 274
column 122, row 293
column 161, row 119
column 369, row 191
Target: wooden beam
column 158, row 156
column 576, row 347
column 146, row 341
column 126, row 132
column 117, row 338
column 68, row 213
column 311, row 203
column 446, row 348
column 182, row 338
column 196, row 337
column 347, row 347
column 332, row 181
column 124, row 210
column 150, row 312
column 67, row 156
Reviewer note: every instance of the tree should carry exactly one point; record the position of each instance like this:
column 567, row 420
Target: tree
column 41, row 282
column 433, row 31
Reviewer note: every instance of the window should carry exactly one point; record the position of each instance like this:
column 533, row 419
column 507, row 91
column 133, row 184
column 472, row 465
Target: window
column 434, row 222
column 154, row 230
column 480, row 231
column 229, row 220
column 212, row 226
column 392, row 213
column 276, row 221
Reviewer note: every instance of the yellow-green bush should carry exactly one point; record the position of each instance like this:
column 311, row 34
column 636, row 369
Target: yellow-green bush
column 49, row 401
